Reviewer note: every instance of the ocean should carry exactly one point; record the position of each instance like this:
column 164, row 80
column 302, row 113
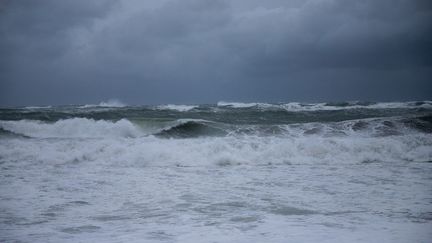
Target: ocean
column 225, row 172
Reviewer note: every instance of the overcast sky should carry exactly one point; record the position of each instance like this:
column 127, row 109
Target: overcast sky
column 204, row 51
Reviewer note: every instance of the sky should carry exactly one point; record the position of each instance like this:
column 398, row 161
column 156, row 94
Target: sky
column 204, row 51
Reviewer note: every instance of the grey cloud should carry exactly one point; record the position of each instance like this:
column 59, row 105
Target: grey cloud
column 207, row 50
column 42, row 27
column 328, row 35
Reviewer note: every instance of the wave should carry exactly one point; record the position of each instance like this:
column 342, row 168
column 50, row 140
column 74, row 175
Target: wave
column 221, row 151
column 90, row 128
column 110, row 103
column 240, row 105
column 189, row 128
column 180, row 108
column 194, row 128
column 37, row 107
column 330, row 106
column 8, row 134
column 237, row 104
column 197, row 142
column 368, row 105
column 370, row 127
column 73, row 128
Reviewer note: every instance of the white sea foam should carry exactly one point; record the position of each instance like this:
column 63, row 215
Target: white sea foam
column 245, row 105
column 73, row 128
column 100, row 181
column 143, row 190
column 176, row 107
column 110, row 103
column 297, row 106
column 236, row 104
column 90, row 128
column 223, row 150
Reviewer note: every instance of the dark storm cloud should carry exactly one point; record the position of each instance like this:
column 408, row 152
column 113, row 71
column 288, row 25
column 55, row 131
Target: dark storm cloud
column 208, row 50
column 42, row 29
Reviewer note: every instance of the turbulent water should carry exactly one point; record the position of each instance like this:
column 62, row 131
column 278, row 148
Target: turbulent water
column 228, row 172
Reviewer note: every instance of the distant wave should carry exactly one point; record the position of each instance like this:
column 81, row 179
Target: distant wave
column 238, row 104
column 37, row 107
column 257, row 106
column 297, row 106
column 180, row 108
column 109, row 103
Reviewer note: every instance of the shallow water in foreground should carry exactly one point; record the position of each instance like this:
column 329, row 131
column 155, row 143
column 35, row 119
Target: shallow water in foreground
column 201, row 174
column 375, row 202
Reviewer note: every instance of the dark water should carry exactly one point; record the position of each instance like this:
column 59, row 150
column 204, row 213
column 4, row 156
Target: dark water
column 237, row 118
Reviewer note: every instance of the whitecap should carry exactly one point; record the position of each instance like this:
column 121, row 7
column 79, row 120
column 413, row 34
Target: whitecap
column 110, row 103
column 181, row 108
column 73, row 128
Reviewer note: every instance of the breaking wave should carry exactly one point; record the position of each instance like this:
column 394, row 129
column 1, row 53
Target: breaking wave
column 193, row 128
column 37, row 107
column 222, row 151
column 222, row 135
column 197, row 142
column 331, row 106
column 239, row 104
column 180, row 108
column 73, row 128
column 8, row 134
column 110, row 103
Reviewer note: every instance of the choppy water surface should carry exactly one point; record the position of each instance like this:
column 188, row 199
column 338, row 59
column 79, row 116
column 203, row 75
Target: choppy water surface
column 231, row 172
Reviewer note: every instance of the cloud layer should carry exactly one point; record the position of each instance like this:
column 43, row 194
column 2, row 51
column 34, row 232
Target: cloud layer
column 202, row 51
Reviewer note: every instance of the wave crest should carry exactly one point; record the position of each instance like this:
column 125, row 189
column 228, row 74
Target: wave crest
column 330, row 106
column 73, row 128
column 193, row 128
column 113, row 103
column 190, row 128
column 180, row 108
column 222, row 151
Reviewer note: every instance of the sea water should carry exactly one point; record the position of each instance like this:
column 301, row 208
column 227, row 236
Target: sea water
column 228, row 172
